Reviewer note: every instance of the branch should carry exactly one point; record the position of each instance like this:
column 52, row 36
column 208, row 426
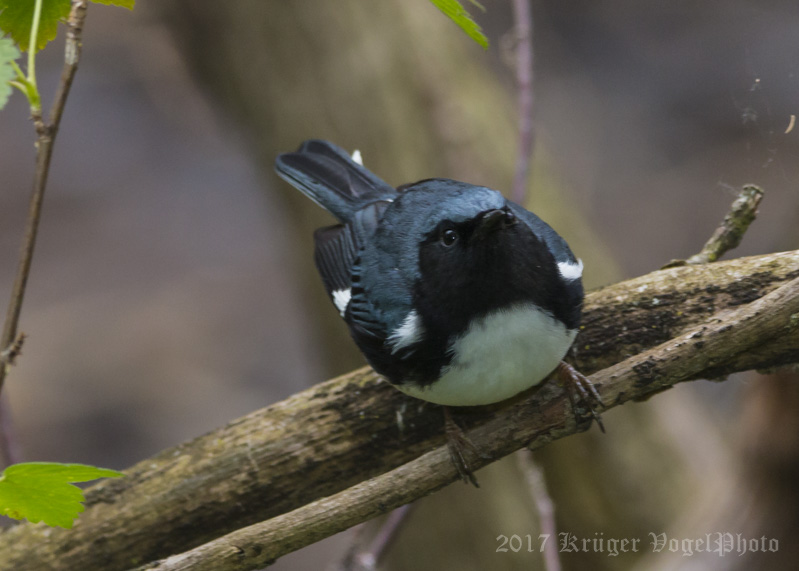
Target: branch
column 672, row 362
column 544, row 505
column 72, row 51
column 732, row 229
column 524, row 78
column 356, row 441
column 44, row 152
column 368, row 555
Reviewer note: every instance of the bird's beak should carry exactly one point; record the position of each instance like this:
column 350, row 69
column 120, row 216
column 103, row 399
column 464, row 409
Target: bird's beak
column 491, row 221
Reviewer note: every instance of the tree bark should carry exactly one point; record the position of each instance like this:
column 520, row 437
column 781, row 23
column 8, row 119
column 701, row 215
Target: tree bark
column 727, row 334
column 345, row 431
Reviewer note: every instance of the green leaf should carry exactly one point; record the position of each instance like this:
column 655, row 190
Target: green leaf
column 16, row 17
column 121, row 3
column 458, row 14
column 8, row 53
column 41, row 491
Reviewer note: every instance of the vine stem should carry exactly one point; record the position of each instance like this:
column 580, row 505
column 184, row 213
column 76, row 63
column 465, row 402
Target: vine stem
column 44, row 151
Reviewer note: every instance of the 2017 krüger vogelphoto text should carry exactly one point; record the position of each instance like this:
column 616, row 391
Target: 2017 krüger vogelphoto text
column 720, row 542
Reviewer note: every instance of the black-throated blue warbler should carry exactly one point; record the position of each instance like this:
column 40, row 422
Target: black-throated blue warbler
column 453, row 293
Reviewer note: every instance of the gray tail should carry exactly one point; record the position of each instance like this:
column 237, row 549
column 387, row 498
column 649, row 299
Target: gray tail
column 326, row 174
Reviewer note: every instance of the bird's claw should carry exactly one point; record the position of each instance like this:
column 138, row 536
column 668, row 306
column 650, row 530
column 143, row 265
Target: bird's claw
column 457, row 445
column 581, row 390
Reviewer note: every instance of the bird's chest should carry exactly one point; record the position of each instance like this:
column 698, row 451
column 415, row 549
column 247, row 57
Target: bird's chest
column 497, row 357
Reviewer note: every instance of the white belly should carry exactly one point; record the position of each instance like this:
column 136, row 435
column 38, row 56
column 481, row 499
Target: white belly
column 498, row 357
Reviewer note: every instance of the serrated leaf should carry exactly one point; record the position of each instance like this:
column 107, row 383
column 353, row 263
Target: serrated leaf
column 16, row 17
column 455, row 11
column 42, row 491
column 8, row 53
column 121, row 3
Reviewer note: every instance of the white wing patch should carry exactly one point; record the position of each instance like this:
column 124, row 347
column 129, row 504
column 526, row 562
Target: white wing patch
column 569, row 271
column 356, row 157
column 409, row 332
column 341, row 298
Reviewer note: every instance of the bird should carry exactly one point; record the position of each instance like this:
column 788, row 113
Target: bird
column 453, row 293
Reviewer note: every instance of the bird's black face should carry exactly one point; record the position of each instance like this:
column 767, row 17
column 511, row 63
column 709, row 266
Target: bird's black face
column 471, row 268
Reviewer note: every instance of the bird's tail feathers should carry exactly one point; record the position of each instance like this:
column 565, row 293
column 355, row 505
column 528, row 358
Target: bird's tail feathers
column 330, row 177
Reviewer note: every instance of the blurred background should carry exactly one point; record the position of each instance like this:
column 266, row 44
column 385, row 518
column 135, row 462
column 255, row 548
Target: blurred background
column 173, row 287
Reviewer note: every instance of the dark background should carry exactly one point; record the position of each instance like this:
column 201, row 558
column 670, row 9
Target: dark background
column 172, row 287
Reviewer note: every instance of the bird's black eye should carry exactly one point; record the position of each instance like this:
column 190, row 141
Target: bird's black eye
column 449, row 237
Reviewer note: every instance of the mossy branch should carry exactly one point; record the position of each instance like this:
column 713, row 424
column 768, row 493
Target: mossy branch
column 347, row 431
column 732, row 229
column 533, row 421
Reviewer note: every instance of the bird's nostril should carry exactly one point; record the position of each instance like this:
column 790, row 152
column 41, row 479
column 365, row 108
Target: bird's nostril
column 509, row 219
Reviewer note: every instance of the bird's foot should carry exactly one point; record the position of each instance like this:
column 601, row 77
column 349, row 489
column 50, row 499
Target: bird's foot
column 582, row 394
column 458, row 444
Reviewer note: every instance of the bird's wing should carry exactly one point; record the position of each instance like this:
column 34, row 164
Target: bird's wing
column 335, row 254
column 338, row 259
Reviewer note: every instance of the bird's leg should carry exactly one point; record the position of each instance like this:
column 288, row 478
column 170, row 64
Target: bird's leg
column 457, row 445
column 580, row 391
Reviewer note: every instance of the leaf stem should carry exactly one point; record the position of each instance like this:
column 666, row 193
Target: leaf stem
column 22, row 83
column 20, row 75
column 33, row 94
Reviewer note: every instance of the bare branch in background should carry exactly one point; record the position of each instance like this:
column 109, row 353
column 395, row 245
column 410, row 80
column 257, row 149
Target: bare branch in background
column 367, row 555
column 544, row 506
column 522, row 17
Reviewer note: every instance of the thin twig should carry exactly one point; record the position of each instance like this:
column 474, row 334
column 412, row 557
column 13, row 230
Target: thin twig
column 359, row 539
column 357, row 543
column 8, row 356
column 44, row 151
column 72, row 53
column 9, row 444
column 372, row 541
column 674, row 361
column 544, row 506
column 524, row 78
column 370, row 558
column 732, row 229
